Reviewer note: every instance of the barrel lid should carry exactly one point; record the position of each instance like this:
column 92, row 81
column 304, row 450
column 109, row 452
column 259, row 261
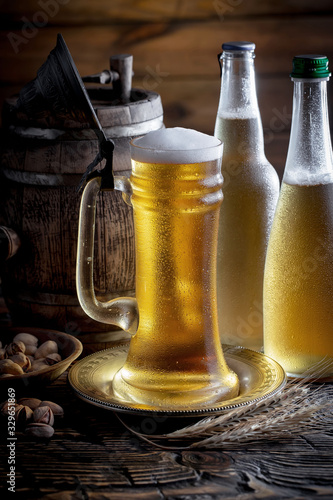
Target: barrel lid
column 141, row 115
column 310, row 66
column 238, row 46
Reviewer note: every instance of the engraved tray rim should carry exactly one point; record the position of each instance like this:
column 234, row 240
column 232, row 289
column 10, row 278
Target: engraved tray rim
column 272, row 379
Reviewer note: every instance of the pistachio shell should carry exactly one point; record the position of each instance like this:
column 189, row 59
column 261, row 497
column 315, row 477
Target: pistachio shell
column 30, row 350
column 15, row 347
column 8, row 366
column 27, row 338
column 22, row 360
column 53, row 358
column 39, row 430
column 6, row 375
column 38, row 364
column 2, row 353
column 33, row 403
column 5, row 405
column 44, row 415
column 18, row 408
column 57, row 410
column 29, row 412
column 23, row 414
column 48, row 347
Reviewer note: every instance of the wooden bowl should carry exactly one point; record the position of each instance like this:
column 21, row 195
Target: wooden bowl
column 69, row 347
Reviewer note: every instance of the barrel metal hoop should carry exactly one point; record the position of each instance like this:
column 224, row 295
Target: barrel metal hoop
column 129, row 130
column 49, row 134
column 134, row 129
column 40, row 179
column 56, row 299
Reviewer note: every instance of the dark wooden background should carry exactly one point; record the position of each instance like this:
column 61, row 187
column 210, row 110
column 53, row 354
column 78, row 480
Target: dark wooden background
column 174, row 44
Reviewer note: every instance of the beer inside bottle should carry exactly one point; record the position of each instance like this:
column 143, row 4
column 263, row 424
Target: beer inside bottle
column 298, row 284
column 250, row 188
column 299, row 278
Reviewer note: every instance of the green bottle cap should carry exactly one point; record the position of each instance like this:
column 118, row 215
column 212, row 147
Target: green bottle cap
column 310, row 66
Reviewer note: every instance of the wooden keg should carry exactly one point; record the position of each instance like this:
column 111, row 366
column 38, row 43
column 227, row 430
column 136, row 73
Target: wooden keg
column 42, row 163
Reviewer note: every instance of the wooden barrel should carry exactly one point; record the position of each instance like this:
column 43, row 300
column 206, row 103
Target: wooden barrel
column 41, row 164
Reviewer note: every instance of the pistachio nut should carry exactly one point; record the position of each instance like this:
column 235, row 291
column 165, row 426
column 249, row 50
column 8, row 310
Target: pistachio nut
column 23, row 414
column 30, row 349
column 15, row 347
column 22, row 360
column 53, row 358
column 5, row 406
column 18, row 407
column 8, row 366
column 57, row 410
column 46, row 348
column 39, row 430
column 2, row 353
column 44, row 415
column 38, row 364
column 33, row 403
column 27, row 338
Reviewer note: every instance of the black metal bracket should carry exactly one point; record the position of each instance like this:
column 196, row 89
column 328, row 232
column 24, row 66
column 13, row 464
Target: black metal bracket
column 106, row 148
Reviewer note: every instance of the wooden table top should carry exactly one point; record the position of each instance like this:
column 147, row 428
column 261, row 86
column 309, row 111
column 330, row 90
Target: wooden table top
column 93, row 456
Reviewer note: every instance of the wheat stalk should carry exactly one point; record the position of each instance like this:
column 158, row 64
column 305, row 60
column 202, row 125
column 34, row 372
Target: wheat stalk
column 299, row 408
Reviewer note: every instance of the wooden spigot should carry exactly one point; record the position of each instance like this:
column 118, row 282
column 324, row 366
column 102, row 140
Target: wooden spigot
column 123, row 65
column 9, row 243
column 119, row 74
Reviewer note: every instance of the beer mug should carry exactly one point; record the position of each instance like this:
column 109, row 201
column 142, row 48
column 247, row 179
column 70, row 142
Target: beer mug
column 175, row 359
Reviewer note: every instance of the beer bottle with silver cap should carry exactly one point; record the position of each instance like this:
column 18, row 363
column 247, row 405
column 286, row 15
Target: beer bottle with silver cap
column 251, row 189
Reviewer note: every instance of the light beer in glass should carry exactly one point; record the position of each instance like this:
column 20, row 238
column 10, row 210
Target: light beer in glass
column 175, row 358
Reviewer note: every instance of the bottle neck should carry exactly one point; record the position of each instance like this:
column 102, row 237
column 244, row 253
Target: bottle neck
column 238, row 101
column 309, row 159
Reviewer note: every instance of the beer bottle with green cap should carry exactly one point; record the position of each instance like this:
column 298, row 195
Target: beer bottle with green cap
column 298, row 281
column 251, row 190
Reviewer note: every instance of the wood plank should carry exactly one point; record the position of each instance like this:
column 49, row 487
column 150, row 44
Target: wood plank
column 69, row 217
column 44, row 315
column 198, row 99
column 42, row 157
column 65, row 12
column 42, row 208
column 92, row 455
column 100, row 257
column 119, row 253
column 170, row 51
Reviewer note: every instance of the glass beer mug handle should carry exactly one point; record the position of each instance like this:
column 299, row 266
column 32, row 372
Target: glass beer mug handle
column 123, row 311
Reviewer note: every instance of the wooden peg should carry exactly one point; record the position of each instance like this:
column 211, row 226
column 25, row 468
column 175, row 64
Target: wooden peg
column 123, row 65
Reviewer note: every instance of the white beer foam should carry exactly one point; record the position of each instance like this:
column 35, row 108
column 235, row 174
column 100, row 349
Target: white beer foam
column 176, row 145
column 238, row 114
column 304, row 178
